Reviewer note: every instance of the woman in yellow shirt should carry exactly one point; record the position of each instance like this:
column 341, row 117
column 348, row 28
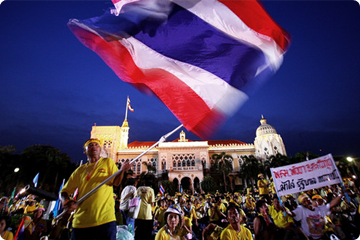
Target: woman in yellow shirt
column 173, row 226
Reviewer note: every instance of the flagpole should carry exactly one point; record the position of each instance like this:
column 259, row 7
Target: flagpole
column 341, row 181
column 126, row 108
column 162, row 139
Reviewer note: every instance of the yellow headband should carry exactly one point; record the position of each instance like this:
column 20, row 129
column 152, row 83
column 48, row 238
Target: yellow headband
column 302, row 197
column 91, row 140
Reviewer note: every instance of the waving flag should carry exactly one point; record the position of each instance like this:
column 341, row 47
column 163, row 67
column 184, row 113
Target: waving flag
column 128, row 104
column 36, row 179
column 162, row 189
column 58, row 206
column 201, row 58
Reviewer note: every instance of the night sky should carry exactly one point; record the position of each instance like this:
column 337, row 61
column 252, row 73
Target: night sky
column 53, row 89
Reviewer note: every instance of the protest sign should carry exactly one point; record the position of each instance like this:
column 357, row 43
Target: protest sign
column 304, row 176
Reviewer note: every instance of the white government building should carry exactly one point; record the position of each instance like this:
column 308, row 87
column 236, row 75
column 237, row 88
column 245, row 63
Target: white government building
column 184, row 159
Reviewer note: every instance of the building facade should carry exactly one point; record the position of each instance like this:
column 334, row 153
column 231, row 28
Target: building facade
column 184, row 160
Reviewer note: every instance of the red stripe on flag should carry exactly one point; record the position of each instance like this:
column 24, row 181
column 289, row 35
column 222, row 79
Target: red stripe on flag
column 256, row 18
column 184, row 103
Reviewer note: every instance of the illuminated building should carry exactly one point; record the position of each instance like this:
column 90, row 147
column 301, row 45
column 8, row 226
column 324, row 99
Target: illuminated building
column 184, row 160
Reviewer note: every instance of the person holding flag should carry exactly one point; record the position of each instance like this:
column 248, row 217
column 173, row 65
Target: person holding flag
column 94, row 218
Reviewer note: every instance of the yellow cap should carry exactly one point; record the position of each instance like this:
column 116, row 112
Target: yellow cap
column 316, row 196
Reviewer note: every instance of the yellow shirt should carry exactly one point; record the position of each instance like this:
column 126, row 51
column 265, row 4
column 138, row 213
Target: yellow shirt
column 263, row 188
column 216, row 217
column 222, row 208
column 230, row 234
column 192, row 213
column 279, row 219
column 147, row 197
column 8, row 235
column 159, row 215
column 164, row 235
column 99, row 208
column 29, row 209
column 249, row 205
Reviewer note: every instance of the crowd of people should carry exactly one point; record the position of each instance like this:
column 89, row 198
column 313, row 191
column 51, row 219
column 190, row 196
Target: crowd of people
column 317, row 214
column 254, row 213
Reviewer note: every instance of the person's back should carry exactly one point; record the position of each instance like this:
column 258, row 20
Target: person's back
column 144, row 220
column 147, row 197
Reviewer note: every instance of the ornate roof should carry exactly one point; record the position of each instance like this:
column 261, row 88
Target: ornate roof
column 264, row 128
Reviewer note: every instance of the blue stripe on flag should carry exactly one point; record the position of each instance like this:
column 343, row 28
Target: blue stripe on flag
column 184, row 36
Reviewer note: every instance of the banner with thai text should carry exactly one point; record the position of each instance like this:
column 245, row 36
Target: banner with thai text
column 316, row 173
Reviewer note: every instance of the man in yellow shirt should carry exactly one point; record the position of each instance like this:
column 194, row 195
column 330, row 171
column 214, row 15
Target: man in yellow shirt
column 235, row 231
column 216, row 211
column 94, row 218
column 263, row 186
column 277, row 213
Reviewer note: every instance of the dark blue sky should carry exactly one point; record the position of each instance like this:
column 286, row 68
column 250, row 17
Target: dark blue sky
column 53, row 89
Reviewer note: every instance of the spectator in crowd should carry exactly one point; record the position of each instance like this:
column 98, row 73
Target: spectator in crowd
column 4, row 225
column 312, row 218
column 127, row 194
column 144, row 220
column 235, row 230
column 174, row 222
column 263, row 186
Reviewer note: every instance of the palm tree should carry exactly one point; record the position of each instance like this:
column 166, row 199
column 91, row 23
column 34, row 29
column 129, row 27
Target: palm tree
column 250, row 168
column 223, row 164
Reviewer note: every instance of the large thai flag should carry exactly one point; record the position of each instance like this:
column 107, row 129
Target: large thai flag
column 202, row 58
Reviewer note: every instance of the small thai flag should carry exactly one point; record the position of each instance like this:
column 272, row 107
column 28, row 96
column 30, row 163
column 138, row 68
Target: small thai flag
column 162, row 189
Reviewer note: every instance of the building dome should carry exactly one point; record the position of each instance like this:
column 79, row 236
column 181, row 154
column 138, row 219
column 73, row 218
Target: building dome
column 264, row 128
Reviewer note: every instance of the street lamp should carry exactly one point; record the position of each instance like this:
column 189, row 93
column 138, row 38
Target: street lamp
column 351, row 160
column 16, row 170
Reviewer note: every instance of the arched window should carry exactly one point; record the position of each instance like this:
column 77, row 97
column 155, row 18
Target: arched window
column 138, row 168
column 163, row 167
column 193, row 163
column 174, row 163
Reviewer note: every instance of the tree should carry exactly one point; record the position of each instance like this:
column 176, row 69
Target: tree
column 250, row 168
column 209, row 184
column 169, row 187
column 223, row 163
column 50, row 162
column 9, row 160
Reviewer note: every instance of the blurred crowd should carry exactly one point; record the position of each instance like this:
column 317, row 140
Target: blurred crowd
column 332, row 212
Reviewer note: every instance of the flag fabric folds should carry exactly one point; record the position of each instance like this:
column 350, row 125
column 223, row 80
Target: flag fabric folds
column 201, row 58
column 36, row 179
column 12, row 197
column 58, row 206
column 128, row 104
column 162, row 189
